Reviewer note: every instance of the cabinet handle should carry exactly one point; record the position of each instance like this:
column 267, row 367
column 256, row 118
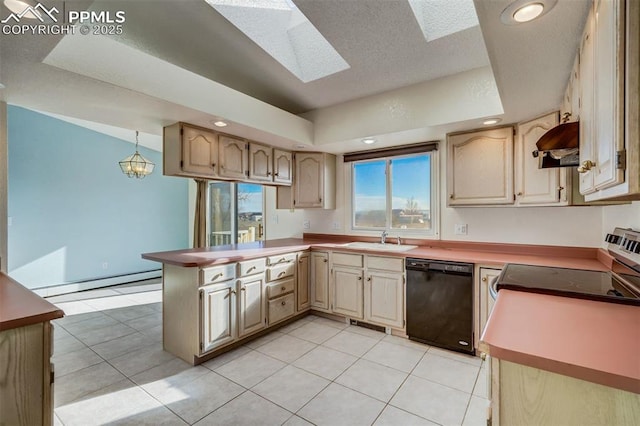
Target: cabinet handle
column 243, row 289
column 268, row 173
column 281, row 273
column 283, row 288
column 300, row 261
column 325, row 260
column 284, row 303
column 560, row 188
column 319, row 200
column 213, row 164
column 216, row 276
column 369, row 279
column 451, row 196
column 251, row 269
column 586, row 166
column 233, row 292
column 276, row 174
column 484, row 279
column 359, row 278
column 519, row 194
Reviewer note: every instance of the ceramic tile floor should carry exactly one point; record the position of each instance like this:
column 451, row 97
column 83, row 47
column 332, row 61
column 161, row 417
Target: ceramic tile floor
column 110, row 369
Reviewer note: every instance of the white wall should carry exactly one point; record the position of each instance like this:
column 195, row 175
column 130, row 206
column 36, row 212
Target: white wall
column 280, row 223
column 566, row 226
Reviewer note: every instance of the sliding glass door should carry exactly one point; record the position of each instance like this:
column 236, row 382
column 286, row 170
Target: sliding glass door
column 235, row 213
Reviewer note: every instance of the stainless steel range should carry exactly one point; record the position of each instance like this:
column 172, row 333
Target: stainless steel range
column 621, row 285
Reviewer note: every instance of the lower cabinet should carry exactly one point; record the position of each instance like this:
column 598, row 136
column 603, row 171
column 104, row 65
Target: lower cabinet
column 218, row 315
column 348, row 292
column 303, row 300
column 281, row 287
column 251, row 306
column 319, row 297
column 384, row 298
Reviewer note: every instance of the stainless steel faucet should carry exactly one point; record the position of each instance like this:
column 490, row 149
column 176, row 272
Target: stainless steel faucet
column 399, row 241
column 383, row 237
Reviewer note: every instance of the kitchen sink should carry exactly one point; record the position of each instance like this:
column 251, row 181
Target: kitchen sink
column 380, row 246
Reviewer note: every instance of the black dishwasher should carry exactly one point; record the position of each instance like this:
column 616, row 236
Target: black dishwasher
column 440, row 304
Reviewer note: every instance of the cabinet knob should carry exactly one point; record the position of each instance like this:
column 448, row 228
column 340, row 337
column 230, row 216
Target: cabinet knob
column 276, row 174
column 484, row 279
column 519, row 194
column 325, row 260
column 560, row 188
column 283, row 288
column 213, row 164
column 268, row 173
column 483, row 356
column 586, row 166
column 284, row 303
column 243, row 289
column 359, row 278
column 451, row 196
column 281, row 273
column 369, row 279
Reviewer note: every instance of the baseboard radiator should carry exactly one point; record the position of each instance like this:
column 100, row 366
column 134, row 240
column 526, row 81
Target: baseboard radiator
column 92, row 284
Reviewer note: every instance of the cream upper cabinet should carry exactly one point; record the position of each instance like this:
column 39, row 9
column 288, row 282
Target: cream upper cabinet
column 218, row 315
column 609, row 114
column 319, row 297
column 234, row 158
column 535, row 186
column 251, row 304
column 348, row 291
column 303, row 302
column 314, row 185
column 480, row 167
column 260, row 167
column 282, row 167
column 190, row 151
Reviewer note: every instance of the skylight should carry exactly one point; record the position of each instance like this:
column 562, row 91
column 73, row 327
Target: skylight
column 282, row 30
column 440, row 18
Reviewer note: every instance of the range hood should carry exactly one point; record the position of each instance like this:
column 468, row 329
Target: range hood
column 559, row 147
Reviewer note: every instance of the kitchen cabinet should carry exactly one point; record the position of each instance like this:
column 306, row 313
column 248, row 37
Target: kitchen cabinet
column 347, row 286
column 484, row 277
column 384, row 291
column 233, row 155
column 609, row 111
column 535, row 186
column 260, row 162
column 281, row 287
column 282, row 167
column 251, row 306
column 319, row 297
column 480, row 167
column 218, row 315
column 314, row 183
column 524, row 395
column 303, row 301
column 190, row 151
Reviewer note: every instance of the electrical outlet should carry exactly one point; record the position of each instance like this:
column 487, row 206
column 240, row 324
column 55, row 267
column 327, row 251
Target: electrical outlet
column 306, row 224
column 336, row 225
column 105, row 265
column 275, row 219
column 460, row 229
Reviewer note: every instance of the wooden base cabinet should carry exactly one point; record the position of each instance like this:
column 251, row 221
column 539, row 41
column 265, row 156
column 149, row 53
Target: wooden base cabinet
column 384, row 291
column 319, row 298
column 251, row 313
column 303, row 300
column 348, row 291
column 218, row 315
column 529, row 396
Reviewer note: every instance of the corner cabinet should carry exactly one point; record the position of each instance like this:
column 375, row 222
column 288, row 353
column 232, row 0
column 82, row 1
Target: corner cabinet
column 190, row 151
column 480, row 167
column 314, row 183
column 535, row 186
column 609, row 107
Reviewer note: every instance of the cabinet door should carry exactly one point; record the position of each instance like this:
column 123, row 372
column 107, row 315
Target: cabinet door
column 609, row 87
column 199, row 151
column 348, row 292
column 218, row 315
column 587, row 100
column 309, row 188
column 302, row 283
column 384, row 298
column 251, row 305
column 480, row 167
column 282, row 167
column 486, row 301
column 260, row 162
column 319, row 297
column 535, row 186
column 233, row 158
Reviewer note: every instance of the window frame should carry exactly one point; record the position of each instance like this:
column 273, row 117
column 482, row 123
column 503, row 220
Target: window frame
column 431, row 233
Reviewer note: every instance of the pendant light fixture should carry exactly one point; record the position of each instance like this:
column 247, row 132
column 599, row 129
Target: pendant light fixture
column 136, row 165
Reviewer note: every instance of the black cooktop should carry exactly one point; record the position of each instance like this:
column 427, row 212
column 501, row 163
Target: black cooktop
column 592, row 285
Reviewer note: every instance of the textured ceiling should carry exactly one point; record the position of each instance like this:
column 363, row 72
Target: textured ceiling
column 381, row 40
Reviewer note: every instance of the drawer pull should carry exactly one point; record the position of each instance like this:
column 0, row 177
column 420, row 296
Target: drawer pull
column 359, row 278
column 484, row 279
column 282, row 273
column 251, row 269
column 325, row 260
column 216, row 276
column 284, row 303
column 283, row 288
column 243, row 289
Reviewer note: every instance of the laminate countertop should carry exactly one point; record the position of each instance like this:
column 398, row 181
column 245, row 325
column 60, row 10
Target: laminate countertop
column 594, row 341
column 479, row 253
column 20, row 306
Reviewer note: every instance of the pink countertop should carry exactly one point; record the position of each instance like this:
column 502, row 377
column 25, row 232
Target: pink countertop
column 594, row 341
column 485, row 254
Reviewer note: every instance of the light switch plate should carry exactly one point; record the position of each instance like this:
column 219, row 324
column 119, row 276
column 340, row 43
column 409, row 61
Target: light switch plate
column 306, row 224
column 460, row 229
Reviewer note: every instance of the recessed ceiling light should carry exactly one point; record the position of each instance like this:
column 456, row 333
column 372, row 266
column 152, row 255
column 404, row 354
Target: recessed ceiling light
column 220, row 123
column 521, row 11
column 490, row 121
column 368, row 141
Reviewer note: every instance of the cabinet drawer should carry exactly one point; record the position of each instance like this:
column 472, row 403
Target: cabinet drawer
column 279, row 288
column 395, row 264
column 217, row 274
column 281, row 271
column 346, row 259
column 281, row 308
column 281, row 258
column 250, row 267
